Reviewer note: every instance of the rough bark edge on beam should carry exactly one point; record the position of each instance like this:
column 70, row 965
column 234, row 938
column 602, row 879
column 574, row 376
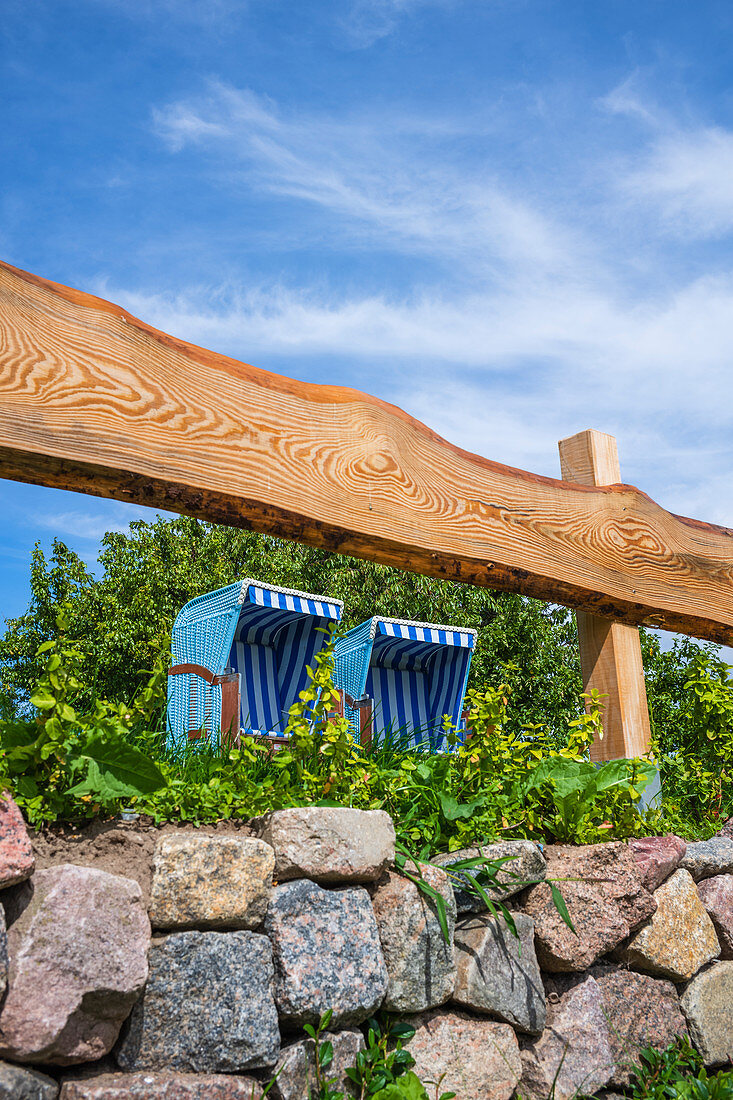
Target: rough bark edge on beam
column 235, row 511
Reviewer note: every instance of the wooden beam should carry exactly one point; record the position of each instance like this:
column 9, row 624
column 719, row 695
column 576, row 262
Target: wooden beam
column 94, row 400
column 610, row 652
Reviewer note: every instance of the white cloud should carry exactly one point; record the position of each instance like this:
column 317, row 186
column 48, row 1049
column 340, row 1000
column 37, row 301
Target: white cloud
column 397, row 183
column 367, row 21
column 535, row 317
column 689, row 176
column 684, row 173
column 89, row 525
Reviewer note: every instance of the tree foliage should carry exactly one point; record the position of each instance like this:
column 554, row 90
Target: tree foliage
column 124, row 611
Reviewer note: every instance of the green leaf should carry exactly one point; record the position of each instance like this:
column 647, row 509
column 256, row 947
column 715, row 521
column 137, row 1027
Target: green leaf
column 438, row 900
column 453, row 810
column 408, row 1087
column 43, row 699
column 401, row 1030
column 560, row 905
column 117, row 770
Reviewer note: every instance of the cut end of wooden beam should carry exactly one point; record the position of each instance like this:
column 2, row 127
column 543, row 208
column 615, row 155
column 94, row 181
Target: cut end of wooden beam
column 590, row 458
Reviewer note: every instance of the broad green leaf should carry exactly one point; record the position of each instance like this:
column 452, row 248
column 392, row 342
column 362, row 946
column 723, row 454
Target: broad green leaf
column 117, row 769
column 408, row 1087
column 43, row 699
column 453, row 810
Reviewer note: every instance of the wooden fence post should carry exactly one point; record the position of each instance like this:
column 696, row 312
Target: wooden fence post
column 610, row 652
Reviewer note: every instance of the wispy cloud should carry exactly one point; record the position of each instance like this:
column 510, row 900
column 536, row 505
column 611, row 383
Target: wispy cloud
column 688, row 176
column 89, row 525
column 524, row 315
column 400, row 184
column 367, row 21
column 683, row 173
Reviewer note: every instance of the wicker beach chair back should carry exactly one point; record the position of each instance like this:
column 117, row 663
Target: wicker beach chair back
column 258, row 638
column 415, row 675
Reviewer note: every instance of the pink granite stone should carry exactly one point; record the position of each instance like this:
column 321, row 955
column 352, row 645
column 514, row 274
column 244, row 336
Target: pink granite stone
column 657, row 857
column 716, row 894
column 162, row 1086
column 602, row 887
column 77, row 946
column 16, row 853
column 474, row 1058
column 574, row 1053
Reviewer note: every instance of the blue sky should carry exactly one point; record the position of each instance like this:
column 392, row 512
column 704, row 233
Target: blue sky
column 513, row 218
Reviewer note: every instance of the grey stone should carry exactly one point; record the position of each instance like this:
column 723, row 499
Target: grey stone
column 161, row 1086
column 640, row 1011
column 208, row 1006
column 706, row 858
column 419, row 961
column 716, row 894
column 475, row 1058
column 573, row 1054
column 81, row 936
column 19, row 1083
column 708, row 1005
column 657, row 857
column 602, row 888
column 680, row 937
column 329, row 844
column 525, row 863
column 294, row 1074
column 212, row 882
column 498, row 973
column 327, row 953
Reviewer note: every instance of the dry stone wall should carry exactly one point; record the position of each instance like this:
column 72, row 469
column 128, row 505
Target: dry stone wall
column 203, row 990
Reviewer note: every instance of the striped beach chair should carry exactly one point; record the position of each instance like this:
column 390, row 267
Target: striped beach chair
column 240, row 658
column 410, row 675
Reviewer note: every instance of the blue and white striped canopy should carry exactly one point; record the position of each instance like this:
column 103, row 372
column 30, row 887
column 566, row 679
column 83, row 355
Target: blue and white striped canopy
column 269, row 635
column 415, row 674
column 277, row 637
column 420, row 632
column 301, row 602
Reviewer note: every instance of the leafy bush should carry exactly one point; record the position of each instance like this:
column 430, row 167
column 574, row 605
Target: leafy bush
column 148, row 573
column 62, row 760
column 69, row 763
column 697, row 762
column 678, row 1073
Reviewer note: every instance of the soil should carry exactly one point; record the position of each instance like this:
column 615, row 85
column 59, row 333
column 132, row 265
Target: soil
column 120, row 847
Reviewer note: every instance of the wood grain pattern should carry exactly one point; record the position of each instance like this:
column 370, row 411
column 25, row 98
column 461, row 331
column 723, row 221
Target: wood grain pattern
column 610, row 652
column 94, row 400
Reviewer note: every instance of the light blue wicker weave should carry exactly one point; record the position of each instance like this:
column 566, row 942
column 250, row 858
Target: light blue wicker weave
column 266, row 634
column 415, row 673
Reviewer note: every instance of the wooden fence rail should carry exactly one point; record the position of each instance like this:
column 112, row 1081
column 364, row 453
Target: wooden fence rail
column 94, row 400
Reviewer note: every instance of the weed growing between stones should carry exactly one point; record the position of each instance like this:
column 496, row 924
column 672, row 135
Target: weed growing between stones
column 384, row 1070
column 678, row 1073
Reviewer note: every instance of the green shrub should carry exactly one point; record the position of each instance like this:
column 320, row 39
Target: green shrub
column 71, row 764
column 678, row 1073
